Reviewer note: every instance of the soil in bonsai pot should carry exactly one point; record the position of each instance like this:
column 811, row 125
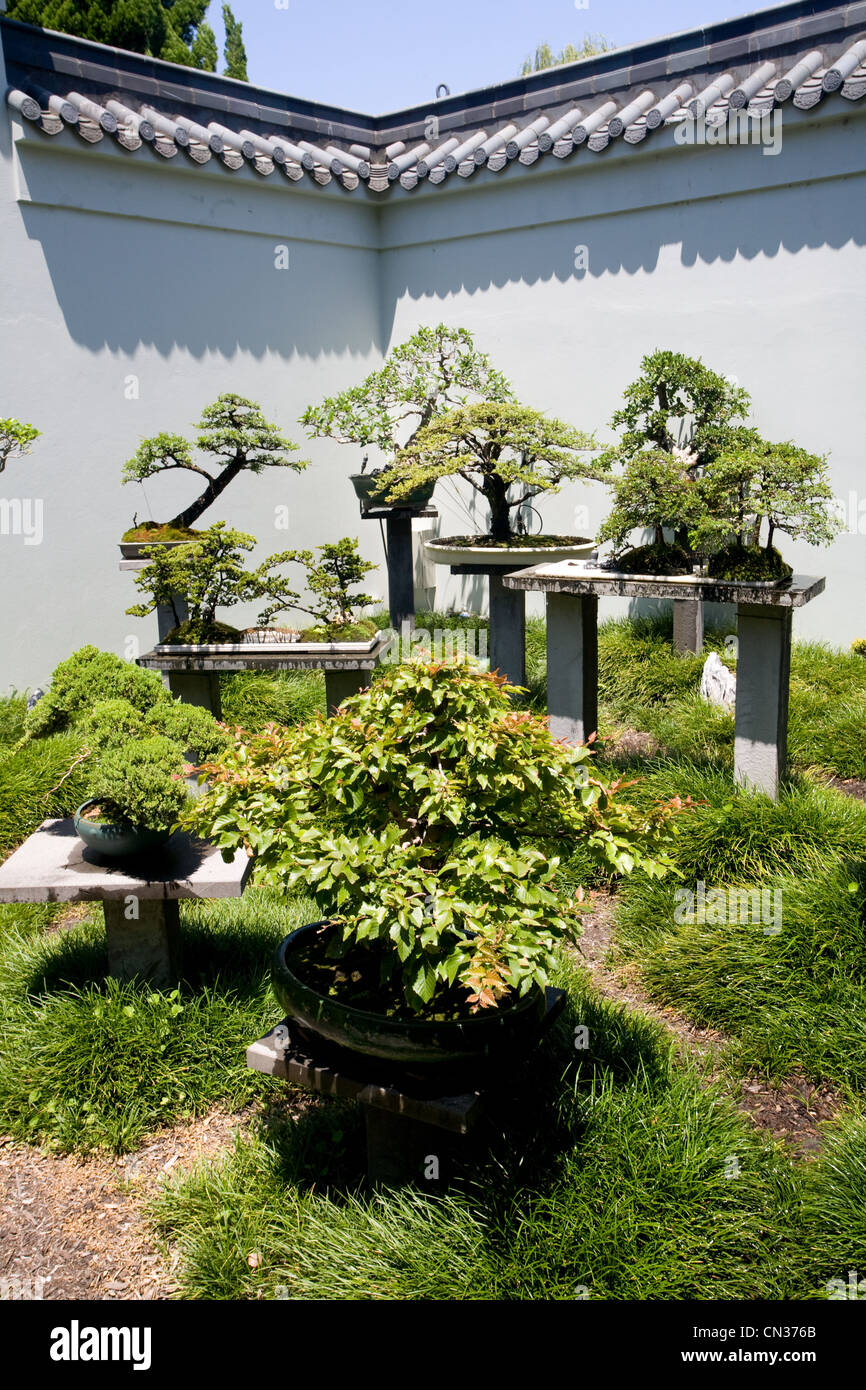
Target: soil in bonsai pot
column 159, row 531
column 513, row 542
column 193, row 633
column 749, row 563
column 654, row 559
column 355, row 981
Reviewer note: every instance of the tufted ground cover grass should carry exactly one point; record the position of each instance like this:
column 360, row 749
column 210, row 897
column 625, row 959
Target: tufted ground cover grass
column 608, row 1178
column 89, row 1063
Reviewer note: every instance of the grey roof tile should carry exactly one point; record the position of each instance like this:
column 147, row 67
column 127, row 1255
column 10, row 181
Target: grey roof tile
column 680, row 64
column 647, row 73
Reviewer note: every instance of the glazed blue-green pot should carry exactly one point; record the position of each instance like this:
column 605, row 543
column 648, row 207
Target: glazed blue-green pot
column 116, row 841
column 488, row 1037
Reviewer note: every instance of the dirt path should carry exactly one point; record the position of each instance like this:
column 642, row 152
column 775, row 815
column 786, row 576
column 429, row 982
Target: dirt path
column 76, row 1224
column 792, row 1111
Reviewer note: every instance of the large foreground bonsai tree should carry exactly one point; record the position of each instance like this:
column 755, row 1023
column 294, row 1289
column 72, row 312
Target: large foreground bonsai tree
column 428, row 819
column 235, row 433
column 433, row 371
column 493, row 446
column 15, row 440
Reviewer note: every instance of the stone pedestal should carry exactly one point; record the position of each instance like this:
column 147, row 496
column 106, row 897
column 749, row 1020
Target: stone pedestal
column 143, row 945
column 507, row 629
column 688, row 626
column 339, row 685
column 400, row 558
column 572, row 666
column 763, row 673
column 764, row 615
column 197, row 688
column 139, row 897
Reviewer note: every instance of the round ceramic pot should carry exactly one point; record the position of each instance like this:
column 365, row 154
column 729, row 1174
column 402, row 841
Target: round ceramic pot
column 118, row 841
column 371, row 487
column 430, row 1049
column 454, row 550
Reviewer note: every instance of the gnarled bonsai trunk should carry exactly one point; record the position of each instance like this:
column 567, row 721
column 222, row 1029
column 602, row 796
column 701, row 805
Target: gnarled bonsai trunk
column 496, row 493
column 217, row 485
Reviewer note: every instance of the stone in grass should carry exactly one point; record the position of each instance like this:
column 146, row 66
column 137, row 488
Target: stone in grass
column 718, row 684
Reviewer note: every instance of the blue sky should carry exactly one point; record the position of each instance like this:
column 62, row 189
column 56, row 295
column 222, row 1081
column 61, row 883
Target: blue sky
column 380, row 55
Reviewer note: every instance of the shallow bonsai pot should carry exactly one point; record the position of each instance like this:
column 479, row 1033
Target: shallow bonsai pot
column 370, row 489
column 596, row 571
column 115, row 841
column 457, row 550
column 135, row 550
column 286, row 648
column 428, row 1048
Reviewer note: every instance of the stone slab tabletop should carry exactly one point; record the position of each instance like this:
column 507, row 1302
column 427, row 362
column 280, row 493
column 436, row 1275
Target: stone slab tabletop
column 54, row 866
column 255, row 656
column 576, row 577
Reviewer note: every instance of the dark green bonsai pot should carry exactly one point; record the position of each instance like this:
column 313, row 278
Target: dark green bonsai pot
column 430, row 1049
column 370, row 489
column 120, row 840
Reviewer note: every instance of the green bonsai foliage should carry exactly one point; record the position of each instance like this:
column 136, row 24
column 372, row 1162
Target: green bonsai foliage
column 113, row 723
column 141, row 782
column 235, row 433
column 433, row 371
column 15, row 440
column 209, row 573
column 859, row 646
column 494, row 446
column 85, row 678
column 329, row 581
column 427, row 819
column 688, row 468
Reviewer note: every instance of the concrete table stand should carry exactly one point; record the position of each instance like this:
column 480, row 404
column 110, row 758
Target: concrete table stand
column 139, row 899
column 763, row 666
column 194, row 676
column 413, row 1134
column 399, row 558
column 168, row 616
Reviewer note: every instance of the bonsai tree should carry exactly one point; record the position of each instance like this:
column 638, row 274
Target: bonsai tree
column 85, row 678
column 493, row 445
column 235, row 433
column 689, row 468
column 329, row 581
column 428, row 821
column 433, row 371
column 780, row 485
column 140, row 783
column 15, row 440
column 209, row 573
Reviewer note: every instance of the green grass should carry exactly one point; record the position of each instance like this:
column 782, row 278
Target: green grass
column 87, row 1062
column 609, row 1177
column 253, row 699
column 834, row 1210
column 32, row 789
column 788, row 988
column 13, row 708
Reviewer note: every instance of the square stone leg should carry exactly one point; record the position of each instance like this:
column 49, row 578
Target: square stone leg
column 507, row 629
column 143, row 947
column 401, row 571
column 761, row 720
column 402, row 1150
column 688, row 626
column 572, row 666
column 339, row 685
column 197, row 688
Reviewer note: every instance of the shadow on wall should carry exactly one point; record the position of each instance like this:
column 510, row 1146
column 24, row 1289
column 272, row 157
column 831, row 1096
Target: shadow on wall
column 126, row 283
column 745, row 225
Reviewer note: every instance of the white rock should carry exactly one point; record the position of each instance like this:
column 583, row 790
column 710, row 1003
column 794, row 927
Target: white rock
column 718, row 684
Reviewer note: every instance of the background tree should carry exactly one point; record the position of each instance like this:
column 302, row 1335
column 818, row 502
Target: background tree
column 234, row 52
column 781, row 485
column 492, row 445
column 434, row 370
column 15, row 440
column 174, row 30
column 234, row 431
column 545, row 57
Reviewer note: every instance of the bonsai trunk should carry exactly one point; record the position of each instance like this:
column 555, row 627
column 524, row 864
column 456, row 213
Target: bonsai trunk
column 496, row 493
column 217, row 485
